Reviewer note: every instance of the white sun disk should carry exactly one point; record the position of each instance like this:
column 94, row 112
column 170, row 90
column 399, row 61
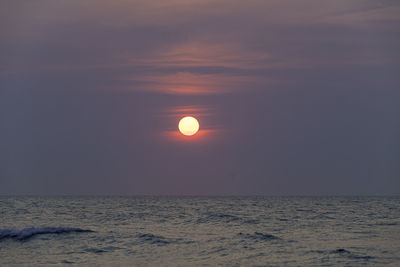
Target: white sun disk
column 188, row 126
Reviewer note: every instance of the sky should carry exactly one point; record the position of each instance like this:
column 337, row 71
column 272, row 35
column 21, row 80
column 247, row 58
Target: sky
column 292, row 97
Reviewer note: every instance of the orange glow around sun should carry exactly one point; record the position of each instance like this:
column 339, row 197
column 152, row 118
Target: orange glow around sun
column 188, row 126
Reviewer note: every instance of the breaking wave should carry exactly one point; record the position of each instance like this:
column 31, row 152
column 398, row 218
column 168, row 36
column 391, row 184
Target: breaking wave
column 30, row 232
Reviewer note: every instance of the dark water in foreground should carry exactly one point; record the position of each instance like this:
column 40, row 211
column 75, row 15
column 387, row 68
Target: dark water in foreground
column 186, row 231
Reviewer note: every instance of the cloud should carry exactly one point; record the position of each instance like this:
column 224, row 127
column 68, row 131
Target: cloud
column 195, row 47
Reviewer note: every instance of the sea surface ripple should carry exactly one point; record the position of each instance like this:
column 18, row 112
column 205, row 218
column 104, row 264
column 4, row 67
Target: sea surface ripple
column 193, row 231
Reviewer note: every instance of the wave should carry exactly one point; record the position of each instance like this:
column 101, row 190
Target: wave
column 349, row 254
column 342, row 253
column 30, row 232
column 160, row 240
column 153, row 239
column 225, row 218
column 386, row 224
column 259, row 236
column 213, row 217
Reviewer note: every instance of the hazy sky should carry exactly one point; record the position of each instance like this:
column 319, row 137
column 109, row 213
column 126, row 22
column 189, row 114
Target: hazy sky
column 293, row 97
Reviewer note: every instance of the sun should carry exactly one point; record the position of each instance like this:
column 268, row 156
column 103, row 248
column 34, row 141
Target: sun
column 188, row 126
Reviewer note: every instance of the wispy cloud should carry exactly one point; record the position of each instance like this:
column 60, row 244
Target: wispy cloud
column 196, row 47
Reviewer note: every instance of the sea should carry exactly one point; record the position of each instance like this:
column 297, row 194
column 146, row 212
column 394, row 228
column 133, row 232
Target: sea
column 199, row 231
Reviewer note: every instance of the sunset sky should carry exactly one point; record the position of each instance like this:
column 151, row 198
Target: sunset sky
column 292, row 97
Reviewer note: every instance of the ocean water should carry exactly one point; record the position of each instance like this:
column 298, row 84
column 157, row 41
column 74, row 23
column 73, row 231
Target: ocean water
column 200, row 231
